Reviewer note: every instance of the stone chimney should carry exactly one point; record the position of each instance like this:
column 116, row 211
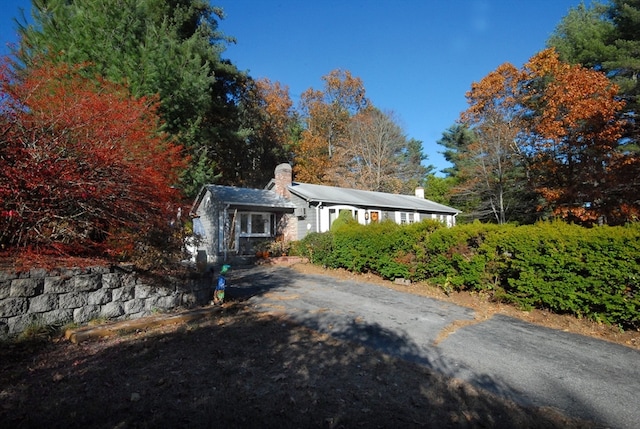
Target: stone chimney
column 420, row 192
column 283, row 178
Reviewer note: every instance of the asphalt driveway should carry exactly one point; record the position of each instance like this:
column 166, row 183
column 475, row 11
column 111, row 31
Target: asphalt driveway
column 532, row 365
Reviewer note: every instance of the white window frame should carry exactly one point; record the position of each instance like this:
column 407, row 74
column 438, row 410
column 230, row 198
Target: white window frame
column 403, row 218
column 443, row 218
column 328, row 214
column 267, row 219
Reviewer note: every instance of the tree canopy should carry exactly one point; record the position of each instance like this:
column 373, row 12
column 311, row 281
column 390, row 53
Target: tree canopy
column 605, row 37
column 346, row 141
column 546, row 136
column 235, row 129
column 169, row 48
column 326, row 115
column 575, row 138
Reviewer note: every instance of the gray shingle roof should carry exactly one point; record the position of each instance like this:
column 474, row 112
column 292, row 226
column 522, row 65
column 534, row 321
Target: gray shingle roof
column 248, row 197
column 355, row 197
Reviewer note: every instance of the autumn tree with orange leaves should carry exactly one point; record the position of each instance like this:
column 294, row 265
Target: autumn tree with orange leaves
column 493, row 168
column 551, row 128
column 347, row 142
column 574, row 142
column 326, row 114
column 83, row 168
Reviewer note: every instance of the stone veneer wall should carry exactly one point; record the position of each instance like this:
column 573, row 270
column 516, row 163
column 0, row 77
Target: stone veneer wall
column 78, row 295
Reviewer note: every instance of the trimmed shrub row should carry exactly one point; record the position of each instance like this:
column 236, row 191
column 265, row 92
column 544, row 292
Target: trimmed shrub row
column 587, row 272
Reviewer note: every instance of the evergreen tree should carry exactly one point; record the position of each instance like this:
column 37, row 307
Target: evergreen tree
column 167, row 47
column 413, row 172
column 584, row 36
column 455, row 139
column 439, row 189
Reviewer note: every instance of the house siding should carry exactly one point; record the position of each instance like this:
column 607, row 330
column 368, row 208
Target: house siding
column 301, row 223
column 309, row 224
column 447, row 219
column 219, row 232
column 210, row 223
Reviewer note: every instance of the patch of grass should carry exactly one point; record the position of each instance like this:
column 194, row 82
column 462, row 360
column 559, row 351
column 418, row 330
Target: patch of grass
column 38, row 332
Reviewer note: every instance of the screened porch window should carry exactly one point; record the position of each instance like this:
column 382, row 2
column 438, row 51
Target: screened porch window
column 255, row 224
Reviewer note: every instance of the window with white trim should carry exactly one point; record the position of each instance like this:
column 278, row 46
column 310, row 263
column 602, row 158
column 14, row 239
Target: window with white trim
column 406, row 217
column 255, row 224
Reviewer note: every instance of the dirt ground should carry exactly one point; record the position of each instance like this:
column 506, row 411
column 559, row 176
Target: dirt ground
column 243, row 369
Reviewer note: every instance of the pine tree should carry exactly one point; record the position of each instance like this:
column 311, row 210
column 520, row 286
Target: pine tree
column 169, row 48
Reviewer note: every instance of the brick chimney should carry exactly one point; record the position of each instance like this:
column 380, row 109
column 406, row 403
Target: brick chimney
column 420, row 192
column 283, row 178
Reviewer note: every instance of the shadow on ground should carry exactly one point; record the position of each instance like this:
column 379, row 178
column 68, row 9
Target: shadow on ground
column 246, row 369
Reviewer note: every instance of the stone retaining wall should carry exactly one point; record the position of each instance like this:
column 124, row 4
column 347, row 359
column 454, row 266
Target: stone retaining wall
column 79, row 295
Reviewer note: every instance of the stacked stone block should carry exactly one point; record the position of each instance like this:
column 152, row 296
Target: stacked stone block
column 62, row 296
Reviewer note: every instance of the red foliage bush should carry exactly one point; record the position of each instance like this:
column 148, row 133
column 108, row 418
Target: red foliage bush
column 84, row 169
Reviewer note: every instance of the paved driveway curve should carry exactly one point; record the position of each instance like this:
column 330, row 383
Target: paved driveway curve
column 532, row 365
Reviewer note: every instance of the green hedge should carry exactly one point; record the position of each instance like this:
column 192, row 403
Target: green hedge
column 384, row 248
column 593, row 273
column 565, row 268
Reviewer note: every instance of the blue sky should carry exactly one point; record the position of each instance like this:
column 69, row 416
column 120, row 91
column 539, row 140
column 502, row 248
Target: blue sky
column 417, row 58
